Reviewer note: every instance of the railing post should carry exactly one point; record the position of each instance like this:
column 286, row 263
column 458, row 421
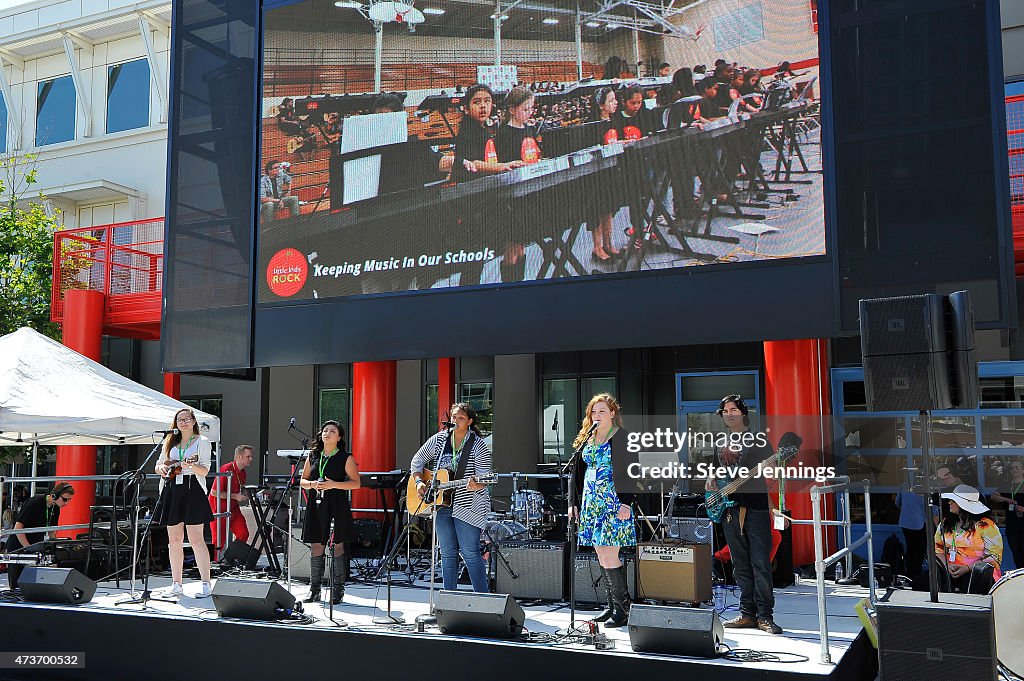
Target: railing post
column 819, row 573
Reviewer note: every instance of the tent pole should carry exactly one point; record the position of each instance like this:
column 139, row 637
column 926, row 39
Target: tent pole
column 35, row 466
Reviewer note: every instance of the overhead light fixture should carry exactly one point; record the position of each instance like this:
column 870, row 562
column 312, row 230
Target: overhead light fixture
column 593, row 24
column 551, row 21
column 504, row 17
column 612, row 27
column 433, row 10
column 348, row 4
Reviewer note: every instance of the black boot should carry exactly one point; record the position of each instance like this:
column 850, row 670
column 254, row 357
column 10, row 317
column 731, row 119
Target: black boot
column 620, row 596
column 340, row 577
column 610, row 610
column 316, row 576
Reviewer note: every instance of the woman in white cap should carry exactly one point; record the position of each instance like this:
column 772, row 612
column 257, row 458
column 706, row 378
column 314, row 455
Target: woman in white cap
column 968, row 546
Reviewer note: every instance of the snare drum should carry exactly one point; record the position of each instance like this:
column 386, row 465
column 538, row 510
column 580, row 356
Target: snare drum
column 528, row 507
column 1007, row 605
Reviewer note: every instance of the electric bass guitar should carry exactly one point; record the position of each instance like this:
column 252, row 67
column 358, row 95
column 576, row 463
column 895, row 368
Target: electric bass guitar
column 718, row 502
column 441, row 493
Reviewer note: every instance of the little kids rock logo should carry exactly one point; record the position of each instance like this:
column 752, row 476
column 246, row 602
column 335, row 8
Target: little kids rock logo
column 286, row 273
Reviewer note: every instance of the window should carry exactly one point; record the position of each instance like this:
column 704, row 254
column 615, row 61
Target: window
column 433, row 413
column 128, row 95
column 334, row 405
column 56, row 104
column 564, row 400
column 480, row 396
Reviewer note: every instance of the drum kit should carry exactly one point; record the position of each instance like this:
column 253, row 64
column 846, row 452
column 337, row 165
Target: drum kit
column 528, row 518
column 1007, row 600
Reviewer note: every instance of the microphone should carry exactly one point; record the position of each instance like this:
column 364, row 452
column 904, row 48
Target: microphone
column 172, row 431
column 593, row 429
column 447, row 424
column 320, row 495
column 291, row 424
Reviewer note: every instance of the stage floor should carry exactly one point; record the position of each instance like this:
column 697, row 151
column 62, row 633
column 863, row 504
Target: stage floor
column 796, row 613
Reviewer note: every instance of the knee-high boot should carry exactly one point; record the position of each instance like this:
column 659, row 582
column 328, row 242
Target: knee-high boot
column 610, row 610
column 620, row 596
column 340, row 577
column 316, row 577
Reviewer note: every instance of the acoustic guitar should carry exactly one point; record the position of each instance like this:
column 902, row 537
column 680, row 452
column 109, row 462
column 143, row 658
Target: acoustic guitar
column 441, row 493
column 174, row 467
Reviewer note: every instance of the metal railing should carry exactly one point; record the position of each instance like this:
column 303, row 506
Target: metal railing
column 821, row 562
column 124, row 261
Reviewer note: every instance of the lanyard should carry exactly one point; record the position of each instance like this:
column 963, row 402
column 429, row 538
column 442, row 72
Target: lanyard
column 324, row 460
column 457, row 453
column 49, row 520
column 181, row 452
column 1013, row 495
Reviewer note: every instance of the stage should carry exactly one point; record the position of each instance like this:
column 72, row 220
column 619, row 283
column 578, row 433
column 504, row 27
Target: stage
column 160, row 641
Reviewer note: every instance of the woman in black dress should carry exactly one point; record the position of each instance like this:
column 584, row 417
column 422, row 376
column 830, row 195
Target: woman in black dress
column 329, row 474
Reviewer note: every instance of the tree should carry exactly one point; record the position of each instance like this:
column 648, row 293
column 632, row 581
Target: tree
column 26, row 250
column 26, row 257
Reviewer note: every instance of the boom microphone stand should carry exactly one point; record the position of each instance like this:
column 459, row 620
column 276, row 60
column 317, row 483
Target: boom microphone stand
column 572, row 526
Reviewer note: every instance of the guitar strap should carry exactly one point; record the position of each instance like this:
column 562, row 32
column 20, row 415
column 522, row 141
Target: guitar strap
column 743, row 517
column 467, row 448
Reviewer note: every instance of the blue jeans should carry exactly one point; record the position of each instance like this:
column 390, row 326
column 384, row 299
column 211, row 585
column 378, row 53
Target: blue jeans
column 456, row 536
column 751, row 550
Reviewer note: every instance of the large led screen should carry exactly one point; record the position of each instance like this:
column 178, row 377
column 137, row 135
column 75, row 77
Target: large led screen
column 421, row 145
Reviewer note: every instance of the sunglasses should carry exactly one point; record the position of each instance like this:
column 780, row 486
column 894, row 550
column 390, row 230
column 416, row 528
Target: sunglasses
column 65, row 499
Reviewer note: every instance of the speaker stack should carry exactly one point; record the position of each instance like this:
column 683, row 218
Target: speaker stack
column 919, row 352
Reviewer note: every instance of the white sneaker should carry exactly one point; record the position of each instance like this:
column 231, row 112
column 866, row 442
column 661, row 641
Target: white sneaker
column 173, row 590
column 204, row 590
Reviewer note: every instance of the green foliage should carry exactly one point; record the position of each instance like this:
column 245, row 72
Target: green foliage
column 26, row 251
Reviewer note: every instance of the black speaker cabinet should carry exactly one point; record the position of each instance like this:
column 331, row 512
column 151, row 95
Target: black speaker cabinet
column 537, row 569
column 921, row 641
column 238, row 554
column 782, row 566
column 368, row 538
column 251, row 599
column 963, row 355
column 56, row 585
column 677, row 631
column 906, row 363
column 476, row 614
column 587, row 582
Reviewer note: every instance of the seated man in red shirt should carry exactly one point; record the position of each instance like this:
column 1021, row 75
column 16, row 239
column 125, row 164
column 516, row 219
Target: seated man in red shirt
column 236, row 469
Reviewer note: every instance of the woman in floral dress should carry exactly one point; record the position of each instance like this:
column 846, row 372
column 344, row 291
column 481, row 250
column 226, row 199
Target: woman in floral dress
column 606, row 517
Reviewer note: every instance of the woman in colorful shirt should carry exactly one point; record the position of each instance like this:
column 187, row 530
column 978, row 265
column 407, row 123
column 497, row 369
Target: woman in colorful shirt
column 605, row 516
column 968, row 547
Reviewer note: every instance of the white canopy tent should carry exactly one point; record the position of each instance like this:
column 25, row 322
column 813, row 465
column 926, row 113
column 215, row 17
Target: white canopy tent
column 52, row 395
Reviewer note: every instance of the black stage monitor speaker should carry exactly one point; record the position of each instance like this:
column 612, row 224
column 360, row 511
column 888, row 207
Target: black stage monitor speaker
column 56, row 585
column 238, row 554
column 251, row 599
column 963, row 353
column 478, row 614
column 677, row 631
column 537, row 569
column 921, row 641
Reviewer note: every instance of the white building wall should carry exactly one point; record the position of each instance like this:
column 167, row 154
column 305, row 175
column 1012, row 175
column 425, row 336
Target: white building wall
column 133, row 162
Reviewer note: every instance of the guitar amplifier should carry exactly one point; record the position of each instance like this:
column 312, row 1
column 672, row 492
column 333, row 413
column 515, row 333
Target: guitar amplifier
column 587, row 582
column 691, row 530
column 537, row 570
column 674, row 572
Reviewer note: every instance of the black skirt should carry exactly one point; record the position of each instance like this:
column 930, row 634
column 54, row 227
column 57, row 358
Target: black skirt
column 316, row 527
column 184, row 503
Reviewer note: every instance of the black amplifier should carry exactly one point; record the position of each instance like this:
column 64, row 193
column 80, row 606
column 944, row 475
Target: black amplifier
column 536, row 569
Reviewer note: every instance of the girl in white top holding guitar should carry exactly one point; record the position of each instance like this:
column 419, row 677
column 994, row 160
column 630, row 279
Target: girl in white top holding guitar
column 183, row 467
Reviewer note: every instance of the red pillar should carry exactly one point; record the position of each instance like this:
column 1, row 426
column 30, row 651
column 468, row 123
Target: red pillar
column 373, row 423
column 172, row 385
column 445, row 385
column 83, row 333
column 798, row 399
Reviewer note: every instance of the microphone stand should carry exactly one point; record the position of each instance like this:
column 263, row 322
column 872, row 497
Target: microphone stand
column 572, row 526
column 146, row 595
column 429, row 617
column 289, row 488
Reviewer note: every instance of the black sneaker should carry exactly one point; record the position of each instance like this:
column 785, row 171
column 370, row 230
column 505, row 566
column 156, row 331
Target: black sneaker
column 769, row 626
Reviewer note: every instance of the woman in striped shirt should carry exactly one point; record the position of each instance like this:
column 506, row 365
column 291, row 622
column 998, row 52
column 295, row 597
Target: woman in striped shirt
column 463, row 452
